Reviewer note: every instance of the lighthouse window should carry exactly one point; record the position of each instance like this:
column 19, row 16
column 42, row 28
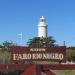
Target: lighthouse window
column 42, row 20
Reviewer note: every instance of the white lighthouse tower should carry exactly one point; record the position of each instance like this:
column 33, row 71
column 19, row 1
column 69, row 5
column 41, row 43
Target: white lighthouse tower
column 42, row 28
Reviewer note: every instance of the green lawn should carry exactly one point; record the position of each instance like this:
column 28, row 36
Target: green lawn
column 66, row 72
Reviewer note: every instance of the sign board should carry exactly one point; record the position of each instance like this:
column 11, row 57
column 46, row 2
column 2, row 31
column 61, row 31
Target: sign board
column 55, row 53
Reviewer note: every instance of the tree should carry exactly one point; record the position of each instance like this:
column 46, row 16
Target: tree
column 6, row 43
column 41, row 42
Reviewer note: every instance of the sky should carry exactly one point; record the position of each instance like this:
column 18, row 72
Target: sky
column 18, row 16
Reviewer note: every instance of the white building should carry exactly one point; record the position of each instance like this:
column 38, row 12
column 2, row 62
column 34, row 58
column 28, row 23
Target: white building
column 42, row 27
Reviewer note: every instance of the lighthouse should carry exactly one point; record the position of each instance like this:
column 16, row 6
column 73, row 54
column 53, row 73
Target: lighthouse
column 42, row 28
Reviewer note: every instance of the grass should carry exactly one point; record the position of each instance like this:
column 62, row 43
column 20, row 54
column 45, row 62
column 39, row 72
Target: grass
column 66, row 72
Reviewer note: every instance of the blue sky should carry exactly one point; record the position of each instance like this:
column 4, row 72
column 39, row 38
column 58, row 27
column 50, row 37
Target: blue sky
column 23, row 16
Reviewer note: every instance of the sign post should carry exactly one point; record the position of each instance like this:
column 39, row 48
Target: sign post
column 55, row 54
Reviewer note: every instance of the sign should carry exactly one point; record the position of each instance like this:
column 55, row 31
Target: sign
column 56, row 53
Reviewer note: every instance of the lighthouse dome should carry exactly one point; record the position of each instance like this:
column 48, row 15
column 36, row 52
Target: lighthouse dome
column 42, row 22
column 42, row 19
